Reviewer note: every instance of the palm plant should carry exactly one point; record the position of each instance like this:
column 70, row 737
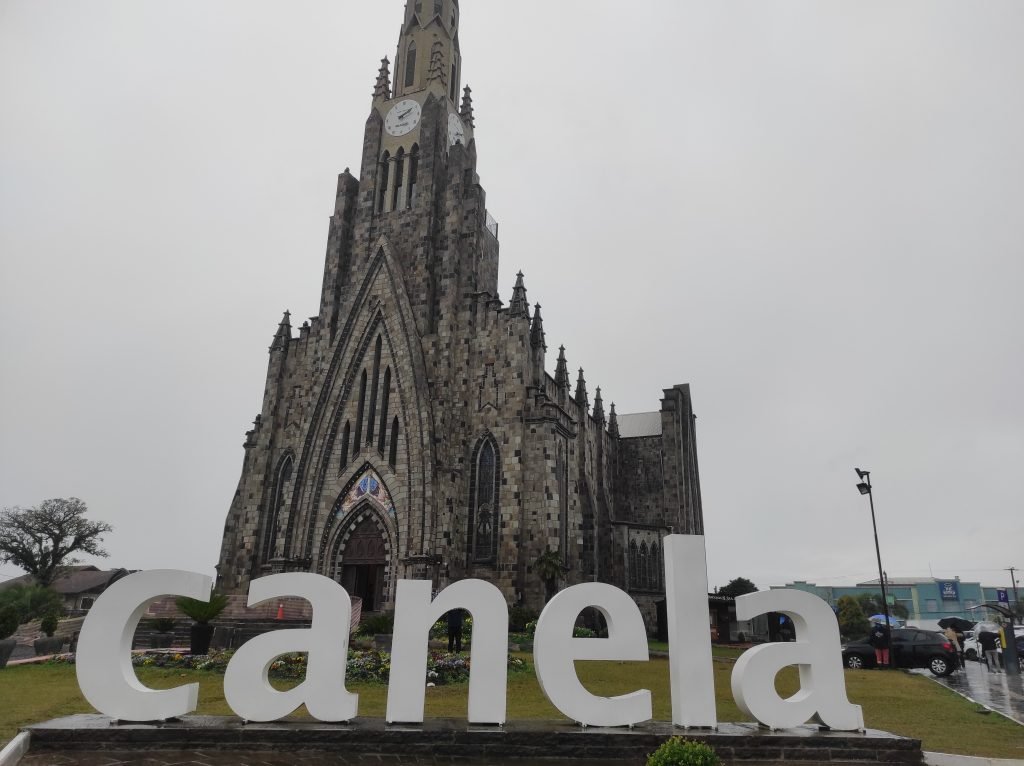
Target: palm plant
column 202, row 612
column 549, row 568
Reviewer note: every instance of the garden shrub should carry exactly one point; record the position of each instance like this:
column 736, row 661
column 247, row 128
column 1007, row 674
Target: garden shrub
column 683, row 752
column 9, row 622
column 377, row 624
column 518, row 616
column 163, row 624
column 49, row 624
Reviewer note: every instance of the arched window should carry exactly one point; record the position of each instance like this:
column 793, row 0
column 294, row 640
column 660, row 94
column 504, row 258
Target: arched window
column 357, row 443
column 384, row 401
column 642, row 571
column 562, row 482
column 453, row 85
column 393, row 457
column 372, row 420
column 396, row 193
column 414, row 172
column 410, row 65
column 382, row 181
column 655, row 578
column 345, row 435
column 484, row 509
column 273, row 528
column 633, row 565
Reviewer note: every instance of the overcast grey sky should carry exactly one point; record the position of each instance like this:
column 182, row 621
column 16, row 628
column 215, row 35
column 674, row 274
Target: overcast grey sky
column 812, row 212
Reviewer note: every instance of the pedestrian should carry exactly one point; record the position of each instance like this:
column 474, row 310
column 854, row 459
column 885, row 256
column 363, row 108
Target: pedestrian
column 951, row 636
column 455, row 619
column 989, row 641
column 879, row 639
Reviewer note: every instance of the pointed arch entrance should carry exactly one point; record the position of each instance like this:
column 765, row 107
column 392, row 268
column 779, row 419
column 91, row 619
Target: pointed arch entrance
column 362, row 564
column 360, row 541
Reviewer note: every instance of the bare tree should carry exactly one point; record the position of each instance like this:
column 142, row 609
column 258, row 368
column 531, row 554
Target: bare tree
column 42, row 540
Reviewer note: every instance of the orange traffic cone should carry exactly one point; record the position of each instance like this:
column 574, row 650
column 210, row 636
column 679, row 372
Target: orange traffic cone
column 280, row 611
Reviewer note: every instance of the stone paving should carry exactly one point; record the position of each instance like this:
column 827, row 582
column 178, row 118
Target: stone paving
column 998, row 691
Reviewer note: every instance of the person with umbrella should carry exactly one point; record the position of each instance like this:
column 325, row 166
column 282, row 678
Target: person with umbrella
column 879, row 639
column 951, row 636
column 957, row 626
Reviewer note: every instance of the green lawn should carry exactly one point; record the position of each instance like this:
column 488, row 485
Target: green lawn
column 898, row 702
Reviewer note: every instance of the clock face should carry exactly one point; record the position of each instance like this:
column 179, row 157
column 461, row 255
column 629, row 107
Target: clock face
column 456, row 130
column 403, row 117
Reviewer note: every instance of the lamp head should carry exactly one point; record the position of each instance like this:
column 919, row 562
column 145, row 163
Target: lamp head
column 864, row 488
column 861, row 474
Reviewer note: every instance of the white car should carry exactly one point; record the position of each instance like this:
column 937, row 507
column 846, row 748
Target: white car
column 972, row 650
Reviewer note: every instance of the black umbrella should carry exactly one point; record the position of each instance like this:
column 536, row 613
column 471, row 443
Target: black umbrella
column 956, row 623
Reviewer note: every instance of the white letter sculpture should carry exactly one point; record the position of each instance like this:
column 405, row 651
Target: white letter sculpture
column 691, row 669
column 414, row 614
column 817, row 654
column 555, row 649
column 104, row 658
column 247, row 687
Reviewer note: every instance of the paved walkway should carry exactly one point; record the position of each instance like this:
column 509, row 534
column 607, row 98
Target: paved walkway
column 998, row 691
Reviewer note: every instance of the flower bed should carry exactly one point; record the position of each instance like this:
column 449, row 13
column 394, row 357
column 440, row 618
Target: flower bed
column 364, row 666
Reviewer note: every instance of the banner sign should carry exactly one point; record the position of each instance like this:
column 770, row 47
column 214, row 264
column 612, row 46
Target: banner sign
column 1002, row 595
column 950, row 590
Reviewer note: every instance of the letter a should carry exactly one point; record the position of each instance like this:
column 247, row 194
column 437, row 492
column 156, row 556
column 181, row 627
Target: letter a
column 247, row 686
column 816, row 653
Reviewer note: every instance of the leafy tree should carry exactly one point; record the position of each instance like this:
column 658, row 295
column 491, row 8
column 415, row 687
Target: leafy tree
column 548, row 567
column 740, row 586
column 853, row 623
column 44, row 539
column 30, row 602
column 871, row 603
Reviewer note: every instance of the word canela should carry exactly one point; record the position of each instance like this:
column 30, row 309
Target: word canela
column 108, row 681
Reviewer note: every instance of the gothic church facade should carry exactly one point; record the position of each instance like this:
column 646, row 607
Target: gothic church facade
column 410, row 429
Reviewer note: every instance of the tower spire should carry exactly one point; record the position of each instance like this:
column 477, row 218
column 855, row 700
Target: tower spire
column 382, row 90
column 598, row 406
column 613, row 423
column 537, row 339
column 562, row 371
column 283, row 334
column 428, row 54
column 466, row 112
column 581, row 392
column 518, row 306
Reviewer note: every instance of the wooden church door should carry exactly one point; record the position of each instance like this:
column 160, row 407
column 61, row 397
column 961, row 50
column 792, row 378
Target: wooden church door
column 362, row 565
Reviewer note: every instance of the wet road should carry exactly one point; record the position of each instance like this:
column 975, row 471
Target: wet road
column 998, row 691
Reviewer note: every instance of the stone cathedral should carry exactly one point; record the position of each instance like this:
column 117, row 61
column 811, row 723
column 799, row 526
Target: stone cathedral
column 410, row 429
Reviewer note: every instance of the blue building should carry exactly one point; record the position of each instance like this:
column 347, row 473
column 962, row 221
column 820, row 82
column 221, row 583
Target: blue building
column 926, row 599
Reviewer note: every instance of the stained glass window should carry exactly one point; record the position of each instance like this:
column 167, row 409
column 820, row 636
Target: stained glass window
column 483, row 521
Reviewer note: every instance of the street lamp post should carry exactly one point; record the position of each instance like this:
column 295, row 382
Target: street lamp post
column 865, row 489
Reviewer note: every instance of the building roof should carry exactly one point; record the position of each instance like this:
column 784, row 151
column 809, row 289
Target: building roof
column 76, row 579
column 640, row 424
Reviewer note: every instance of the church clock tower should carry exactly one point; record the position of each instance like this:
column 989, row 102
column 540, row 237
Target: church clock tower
column 409, row 429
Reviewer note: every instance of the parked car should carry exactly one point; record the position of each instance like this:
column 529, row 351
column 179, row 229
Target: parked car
column 973, row 652
column 910, row 648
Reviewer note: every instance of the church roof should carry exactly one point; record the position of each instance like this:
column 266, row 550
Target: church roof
column 640, row 424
